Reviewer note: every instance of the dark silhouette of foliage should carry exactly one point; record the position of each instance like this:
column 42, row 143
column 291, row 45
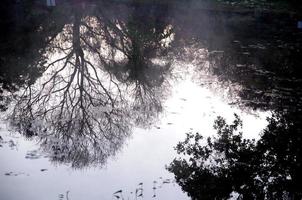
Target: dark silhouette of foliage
column 228, row 164
column 24, row 38
column 258, row 56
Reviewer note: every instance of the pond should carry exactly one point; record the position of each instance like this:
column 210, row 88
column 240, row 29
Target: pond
column 107, row 100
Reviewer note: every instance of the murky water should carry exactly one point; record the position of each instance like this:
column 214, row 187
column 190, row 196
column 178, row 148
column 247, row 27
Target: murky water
column 96, row 96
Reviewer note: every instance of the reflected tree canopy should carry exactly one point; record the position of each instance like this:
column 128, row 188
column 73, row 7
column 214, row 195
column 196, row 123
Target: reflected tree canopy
column 256, row 55
column 105, row 72
column 228, row 165
column 24, row 40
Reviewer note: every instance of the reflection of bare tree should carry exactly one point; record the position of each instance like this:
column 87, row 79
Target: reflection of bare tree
column 142, row 42
column 82, row 110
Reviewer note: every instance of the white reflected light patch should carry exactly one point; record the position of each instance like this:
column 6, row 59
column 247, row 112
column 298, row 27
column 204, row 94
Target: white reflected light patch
column 195, row 108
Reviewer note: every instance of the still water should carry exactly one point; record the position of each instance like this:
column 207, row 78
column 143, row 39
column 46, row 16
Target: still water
column 97, row 100
column 142, row 158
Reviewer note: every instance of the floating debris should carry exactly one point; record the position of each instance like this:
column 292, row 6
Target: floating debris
column 61, row 196
column 139, row 191
column 154, row 189
column 215, row 52
column 118, row 194
column 119, row 191
column 33, row 155
column 8, row 173
column 12, row 144
column 166, row 181
column 15, row 174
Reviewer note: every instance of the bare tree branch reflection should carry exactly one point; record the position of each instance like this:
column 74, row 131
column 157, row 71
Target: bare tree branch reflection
column 100, row 81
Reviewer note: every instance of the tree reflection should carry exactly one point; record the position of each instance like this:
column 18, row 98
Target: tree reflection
column 257, row 56
column 229, row 164
column 23, row 42
column 100, row 79
column 143, row 44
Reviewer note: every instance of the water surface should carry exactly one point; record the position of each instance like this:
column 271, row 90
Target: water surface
column 95, row 96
